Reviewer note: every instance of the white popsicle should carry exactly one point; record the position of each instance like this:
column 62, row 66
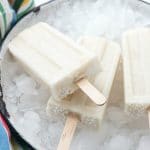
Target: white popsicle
column 136, row 60
column 55, row 59
column 78, row 106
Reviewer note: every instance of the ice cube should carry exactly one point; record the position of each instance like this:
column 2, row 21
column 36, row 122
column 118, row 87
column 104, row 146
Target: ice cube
column 30, row 123
column 119, row 142
column 117, row 116
column 90, row 140
column 144, row 143
column 25, row 84
column 12, row 94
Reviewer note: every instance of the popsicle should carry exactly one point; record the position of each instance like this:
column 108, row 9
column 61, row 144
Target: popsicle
column 56, row 60
column 136, row 60
column 78, row 106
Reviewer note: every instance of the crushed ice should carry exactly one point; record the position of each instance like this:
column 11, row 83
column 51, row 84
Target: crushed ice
column 25, row 99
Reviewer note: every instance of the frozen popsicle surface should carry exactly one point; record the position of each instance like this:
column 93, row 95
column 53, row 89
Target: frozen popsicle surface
column 136, row 60
column 90, row 113
column 53, row 58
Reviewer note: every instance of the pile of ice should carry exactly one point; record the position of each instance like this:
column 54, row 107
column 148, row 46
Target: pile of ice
column 99, row 17
column 26, row 99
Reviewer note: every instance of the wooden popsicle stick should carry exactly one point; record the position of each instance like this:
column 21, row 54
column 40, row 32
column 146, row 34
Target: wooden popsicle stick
column 148, row 110
column 91, row 92
column 68, row 132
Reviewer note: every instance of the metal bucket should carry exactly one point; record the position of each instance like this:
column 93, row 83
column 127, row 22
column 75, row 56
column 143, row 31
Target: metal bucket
column 37, row 14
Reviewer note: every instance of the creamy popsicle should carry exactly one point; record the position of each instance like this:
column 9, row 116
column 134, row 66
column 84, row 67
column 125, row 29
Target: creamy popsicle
column 78, row 107
column 91, row 114
column 136, row 60
column 57, row 61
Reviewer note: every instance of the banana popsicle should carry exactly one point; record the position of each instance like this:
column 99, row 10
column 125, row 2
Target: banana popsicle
column 56, row 60
column 136, row 60
column 91, row 114
column 78, row 107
